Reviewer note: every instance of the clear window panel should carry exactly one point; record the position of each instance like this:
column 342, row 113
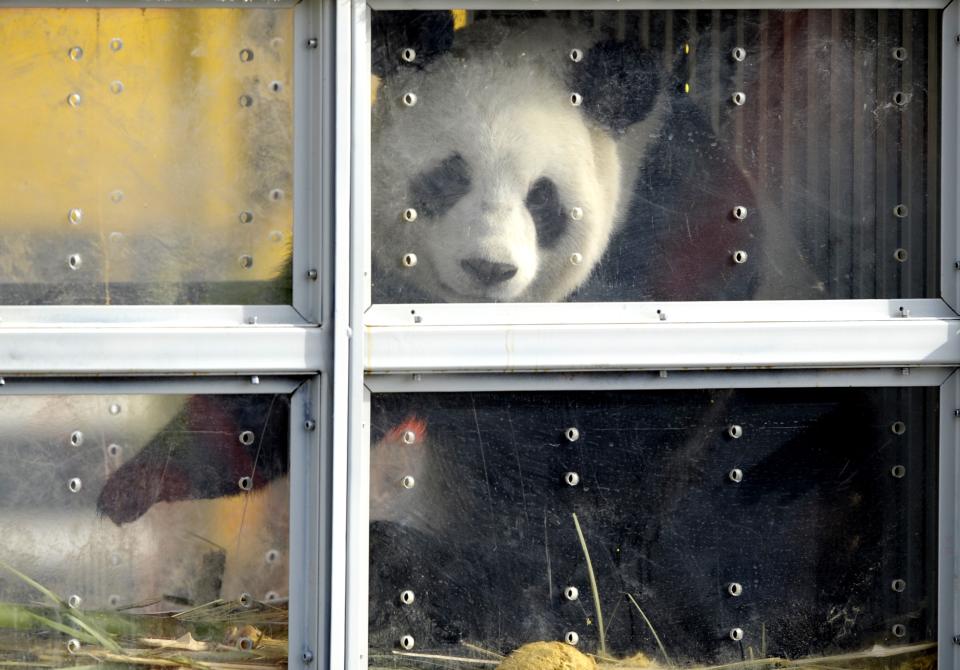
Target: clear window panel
column 654, row 529
column 149, row 156
column 655, row 155
column 143, row 527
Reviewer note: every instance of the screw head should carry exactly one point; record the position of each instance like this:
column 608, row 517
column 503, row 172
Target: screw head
column 309, row 424
column 312, row 274
column 736, row 634
column 571, row 593
column 407, row 597
column 312, row 43
column 571, row 478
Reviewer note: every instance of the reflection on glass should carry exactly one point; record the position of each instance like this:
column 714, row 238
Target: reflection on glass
column 655, row 155
column 139, row 527
column 149, row 156
column 757, row 528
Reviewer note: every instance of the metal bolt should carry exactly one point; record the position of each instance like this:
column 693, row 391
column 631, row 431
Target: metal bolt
column 956, row 638
column 244, row 644
column 246, row 437
column 116, row 196
column 571, row 478
column 736, row 475
column 735, row 431
column 73, row 645
column 408, row 482
column 76, row 53
column 76, row 438
column 246, row 55
column 312, row 43
column 3, row 382
column 898, row 471
column 663, row 374
column 245, row 100
column 74, row 99
column 74, row 601
column 254, row 380
column 904, row 312
column 571, row 638
column 245, row 599
column 576, row 99
column 409, row 260
column 114, row 450
column 116, row 87
column 408, row 55
column 75, row 216
column 407, row 642
column 75, row 485
column 246, row 217
column 576, row 55
column 253, row 320
column 739, row 98
column 905, row 371
column 735, row 589
column 276, row 194
column 662, row 315
column 408, row 437
column 898, row 585
column 956, row 412
column 409, row 99
column 956, row 265
column 901, row 211
column 307, row 656
column 116, row 44
column 900, row 98
column 245, row 483
column 740, row 212
column 246, row 261
column 736, row 634
column 571, row 593
column 576, row 258
column 898, row 630
column 114, row 409
column 572, row 434
column 409, row 215
column 113, row 600
column 309, row 424
column 271, row 556
column 738, row 54
column 900, row 255
column 312, row 274
column 576, row 213
column 739, row 257
column 898, row 428
column 407, row 597
column 276, row 86
column 271, row 596
column 899, row 53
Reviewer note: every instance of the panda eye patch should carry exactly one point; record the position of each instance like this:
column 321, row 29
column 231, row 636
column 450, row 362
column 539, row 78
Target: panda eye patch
column 543, row 203
column 437, row 190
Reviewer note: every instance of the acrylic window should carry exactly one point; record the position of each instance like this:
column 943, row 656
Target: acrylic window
column 145, row 526
column 657, row 155
column 149, row 156
column 541, row 530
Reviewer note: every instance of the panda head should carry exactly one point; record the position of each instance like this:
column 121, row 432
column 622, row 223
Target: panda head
column 496, row 165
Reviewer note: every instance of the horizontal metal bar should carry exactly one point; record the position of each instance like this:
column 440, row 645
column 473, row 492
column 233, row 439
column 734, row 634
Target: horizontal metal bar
column 149, row 386
column 684, row 379
column 196, row 4
column 132, row 351
column 663, row 346
column 152, row 315
column 658, row 4
column 791, row 311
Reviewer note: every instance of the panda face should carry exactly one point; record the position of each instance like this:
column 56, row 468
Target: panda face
column 515, row 191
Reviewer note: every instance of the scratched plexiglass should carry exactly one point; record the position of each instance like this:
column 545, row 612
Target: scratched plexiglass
column 655, row 155
column 148, row 156
column 780, row 527
column 132, row 521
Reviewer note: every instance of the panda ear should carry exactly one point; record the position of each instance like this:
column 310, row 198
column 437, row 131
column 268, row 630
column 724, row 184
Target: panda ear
column 620, row 83
column 430, row 34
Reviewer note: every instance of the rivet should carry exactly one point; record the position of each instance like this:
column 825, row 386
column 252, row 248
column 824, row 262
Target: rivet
column 735, row 431
column 898, row 585
column 75, row 485
column 75, row 216
column 76, row 438
column 312, row 274
column 246, row 55
column 736, row 475
column 409, row 260
column 276, row 194
column 898, row 630
column 271, row 596
column 408, row 55
column 407, row 597
column 312, row 43
column 246, row 217
column 899, row 53
column 116, row 87
column 245, row 483
column 739, row 98
column 408, row 482
column 735, row 589
column 576, row 55
column 253, row 320
column 309, row 425
column 956, row 265
column 900, row 255
column 576, row 258
column 245, row 599
column 900, row 98
column 576, row 213
column 255, row 379
column 738, row 54
column 898, row 427
column 76, row 53
column 116, row 196
column 74, row 601
column 740, row 257
column 74, row 99
column 571, row 638
column 407, row 642
column 576, row 99
column 271, row 556
column 904, row 312
column 571, row 593
column 740, row 212
column 73, row 645
column 572, row 434
column 246, row 261
column 276, row 86
column 115, row 409
column 3, row 382
column 661, row 315
column 736, row 634
column 114, row 450
column 409, row 215
column 245, row 100
column 900, row 211
column 409, row 99
column 245, row 644
column 898, row 471
column 247, row 437
column 409, row 437
column 116, row 44
column 113, row 600
column 905, row 371
column 571, row 478
column 663, row 374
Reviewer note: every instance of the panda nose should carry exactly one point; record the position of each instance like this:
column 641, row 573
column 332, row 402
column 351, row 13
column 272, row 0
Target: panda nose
column 486, row 272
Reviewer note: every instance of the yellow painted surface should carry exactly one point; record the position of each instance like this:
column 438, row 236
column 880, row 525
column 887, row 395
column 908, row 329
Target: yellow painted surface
column 160, row 153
